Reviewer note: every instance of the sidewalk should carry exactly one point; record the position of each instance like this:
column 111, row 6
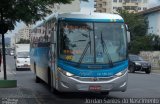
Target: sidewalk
column 10, row 81
column 156, row 71
column 11, row 75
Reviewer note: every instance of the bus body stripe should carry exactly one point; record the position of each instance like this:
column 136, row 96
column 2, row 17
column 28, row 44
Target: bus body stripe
column 94, row 72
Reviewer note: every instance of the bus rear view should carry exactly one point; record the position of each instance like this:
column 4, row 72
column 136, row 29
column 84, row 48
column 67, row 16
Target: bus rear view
column 91, row 53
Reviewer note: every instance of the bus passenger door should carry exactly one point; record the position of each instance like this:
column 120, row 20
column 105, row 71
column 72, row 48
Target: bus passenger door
column 52, row 64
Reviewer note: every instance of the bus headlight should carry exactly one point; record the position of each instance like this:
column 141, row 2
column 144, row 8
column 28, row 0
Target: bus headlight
column 121, row 73
column 65, row 72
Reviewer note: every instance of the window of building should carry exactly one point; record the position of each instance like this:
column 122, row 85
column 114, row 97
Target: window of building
column 144, row 8
column 133, row 8
column 145, row 1
column 119, row 8
column 104, row 9
column 139, row 8
column 104, row 3
column 127, row 1
column 100, row 5
column 114, row 7
column 114, row 0
column 139, row 1
column 133, row 1
column 127, row 7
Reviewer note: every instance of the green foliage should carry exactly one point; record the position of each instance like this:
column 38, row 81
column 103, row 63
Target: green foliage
column 138, row 26
column 23, row 41
column 136, row 23
column 28, row 11
column 140, row 43
column 145, row 43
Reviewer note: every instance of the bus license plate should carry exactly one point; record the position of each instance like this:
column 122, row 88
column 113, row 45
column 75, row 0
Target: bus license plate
column 94, row 88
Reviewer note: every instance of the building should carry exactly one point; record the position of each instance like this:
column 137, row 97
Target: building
column 111, row 6
column 23, row 33
column 153, row 17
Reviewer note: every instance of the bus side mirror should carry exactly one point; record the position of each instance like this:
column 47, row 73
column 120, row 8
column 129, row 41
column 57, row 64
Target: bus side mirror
column 128, row 34
column 128, row 37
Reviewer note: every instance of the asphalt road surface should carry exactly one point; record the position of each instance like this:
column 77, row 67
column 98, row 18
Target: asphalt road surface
column 140, row 85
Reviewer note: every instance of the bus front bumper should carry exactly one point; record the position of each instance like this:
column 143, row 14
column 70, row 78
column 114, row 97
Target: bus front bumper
column 90, row 84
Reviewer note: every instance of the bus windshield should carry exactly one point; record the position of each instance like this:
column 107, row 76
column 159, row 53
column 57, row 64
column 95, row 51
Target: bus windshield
column 92, row 42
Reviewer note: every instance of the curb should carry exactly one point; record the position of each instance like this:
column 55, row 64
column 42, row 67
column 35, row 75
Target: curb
column 8, row 83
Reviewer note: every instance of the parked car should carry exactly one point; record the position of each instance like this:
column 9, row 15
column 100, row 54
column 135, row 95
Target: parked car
column 12, row 53
column 137, row 63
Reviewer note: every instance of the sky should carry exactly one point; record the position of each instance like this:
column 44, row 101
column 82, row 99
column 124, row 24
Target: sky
column 153, row 3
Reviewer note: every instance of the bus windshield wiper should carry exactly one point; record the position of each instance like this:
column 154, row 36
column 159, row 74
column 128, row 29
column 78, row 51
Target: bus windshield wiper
column 106, row 49
column 79, row 40
column 83, row 54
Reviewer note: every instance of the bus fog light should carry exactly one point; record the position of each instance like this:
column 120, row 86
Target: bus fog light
column 121, row 73
column 65, row 72
column 69, row 74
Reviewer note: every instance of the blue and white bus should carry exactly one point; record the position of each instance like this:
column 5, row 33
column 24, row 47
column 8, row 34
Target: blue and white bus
column 75, row 52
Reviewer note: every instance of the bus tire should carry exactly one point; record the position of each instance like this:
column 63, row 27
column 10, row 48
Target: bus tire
column 38, row 80
column 54, row 91
column 49, row 78
column 34, row 68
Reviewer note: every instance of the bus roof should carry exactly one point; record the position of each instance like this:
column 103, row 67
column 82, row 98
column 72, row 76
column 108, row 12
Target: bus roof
column 84, row 17
column 91, row 16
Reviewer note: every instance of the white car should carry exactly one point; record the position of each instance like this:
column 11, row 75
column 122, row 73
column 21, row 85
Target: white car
column 12, row 53
column 22, row 60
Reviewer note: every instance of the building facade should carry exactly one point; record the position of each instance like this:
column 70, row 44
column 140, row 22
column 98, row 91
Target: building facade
column 111, row 6
column 23, row 33
column 153, row 18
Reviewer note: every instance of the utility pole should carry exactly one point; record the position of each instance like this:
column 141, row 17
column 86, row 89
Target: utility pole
column 3, row 30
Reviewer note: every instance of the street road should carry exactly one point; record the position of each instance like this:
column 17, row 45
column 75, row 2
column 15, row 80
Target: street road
column 140, row 85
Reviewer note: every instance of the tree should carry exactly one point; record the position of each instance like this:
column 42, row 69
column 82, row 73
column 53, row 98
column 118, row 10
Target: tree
column 137, row 24
column 28, row 11
column 141, row 43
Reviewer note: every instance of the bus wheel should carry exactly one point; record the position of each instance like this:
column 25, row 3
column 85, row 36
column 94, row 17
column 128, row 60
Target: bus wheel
column 34, row 68
column 38, row 80
column 54, row 91
column 49, row 78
